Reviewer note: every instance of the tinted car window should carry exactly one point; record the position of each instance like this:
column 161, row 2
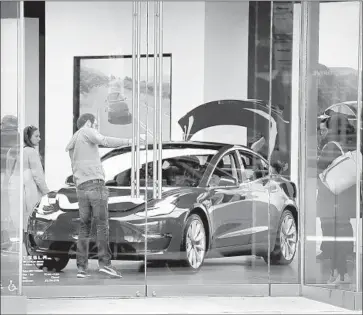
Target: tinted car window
column 115, row 96
column 179, row 171
column 226, row 168
column 344, row 109
column 114, row 164
column 332, row 110
column 255, row 167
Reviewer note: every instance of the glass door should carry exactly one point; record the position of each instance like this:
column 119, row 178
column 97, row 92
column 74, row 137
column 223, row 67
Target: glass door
column 331, row 116
column 94, row 72
column 225, row 175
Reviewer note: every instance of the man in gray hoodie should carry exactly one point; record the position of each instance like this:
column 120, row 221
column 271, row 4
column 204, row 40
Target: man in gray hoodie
column 89, row 177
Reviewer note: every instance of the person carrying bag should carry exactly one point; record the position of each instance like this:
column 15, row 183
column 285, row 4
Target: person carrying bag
column 337, row 179
column 341, row 174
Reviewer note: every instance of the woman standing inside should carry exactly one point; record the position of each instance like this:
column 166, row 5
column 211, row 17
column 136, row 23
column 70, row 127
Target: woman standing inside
column 34, row 180
column 337, row 210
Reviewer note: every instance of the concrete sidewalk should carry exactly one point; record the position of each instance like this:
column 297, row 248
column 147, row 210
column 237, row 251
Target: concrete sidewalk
column 194, row 305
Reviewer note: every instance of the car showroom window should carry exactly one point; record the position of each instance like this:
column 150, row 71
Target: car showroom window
column 226, row 169
column 255, row 167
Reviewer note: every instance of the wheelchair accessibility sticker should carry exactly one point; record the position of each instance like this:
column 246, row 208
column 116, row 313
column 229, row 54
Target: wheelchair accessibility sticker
column 11, row 287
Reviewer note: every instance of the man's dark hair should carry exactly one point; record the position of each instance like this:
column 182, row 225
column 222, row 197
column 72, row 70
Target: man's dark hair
column 81, row 121
column 340, row 129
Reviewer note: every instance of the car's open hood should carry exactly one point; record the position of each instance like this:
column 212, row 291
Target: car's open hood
column 252, row 114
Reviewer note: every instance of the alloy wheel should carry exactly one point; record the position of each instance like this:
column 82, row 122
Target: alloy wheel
column 195, row 244
column 288, row 237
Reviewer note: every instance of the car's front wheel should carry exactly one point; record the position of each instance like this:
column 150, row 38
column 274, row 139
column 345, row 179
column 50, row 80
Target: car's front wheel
column 53, row 263
column 57, row 260
column 56, row 263
column 193, row 246
column 286, row 241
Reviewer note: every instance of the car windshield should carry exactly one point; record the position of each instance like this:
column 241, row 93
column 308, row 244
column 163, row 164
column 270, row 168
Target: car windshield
column 353, row 107
column 180, row 167
column 115, row 96
column 349, row 109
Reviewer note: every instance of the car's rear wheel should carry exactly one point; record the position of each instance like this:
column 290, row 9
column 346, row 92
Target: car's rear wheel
column 193, row 246
column 286, row 241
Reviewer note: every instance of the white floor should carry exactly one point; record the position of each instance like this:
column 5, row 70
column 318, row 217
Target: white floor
column 194, row 305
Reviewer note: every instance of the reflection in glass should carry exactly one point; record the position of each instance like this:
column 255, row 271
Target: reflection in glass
column 100, row 83
column 331, row 142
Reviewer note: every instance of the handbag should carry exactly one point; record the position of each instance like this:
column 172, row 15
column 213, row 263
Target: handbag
column 341, row 174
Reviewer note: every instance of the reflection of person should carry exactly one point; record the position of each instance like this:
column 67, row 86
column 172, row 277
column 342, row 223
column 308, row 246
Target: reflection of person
column 336, row 211
column 34, row 180
column 92, row 193
column 9, row 140
column 322, row 140
column 323, row 131
column 9, row 137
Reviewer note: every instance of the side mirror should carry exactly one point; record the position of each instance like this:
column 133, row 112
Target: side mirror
column 228, row 182
column 111, row 182
column 69, row 181
column 261, row 174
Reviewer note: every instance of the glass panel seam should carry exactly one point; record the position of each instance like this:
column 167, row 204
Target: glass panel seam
column 359, row 140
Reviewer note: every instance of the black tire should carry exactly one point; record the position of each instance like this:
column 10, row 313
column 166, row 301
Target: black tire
column 54, row 263
column 184, row 265
column 276, row 256
column 153, row 264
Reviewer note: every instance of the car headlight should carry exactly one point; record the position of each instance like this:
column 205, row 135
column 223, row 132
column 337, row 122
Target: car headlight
column 47, row 208
column 163, row 207
column 46, row 205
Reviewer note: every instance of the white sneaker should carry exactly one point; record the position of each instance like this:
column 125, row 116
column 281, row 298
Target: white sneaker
column 345, row 280
column 111, row 271
column 333, row 277
column 83, row 274
column 339, row 280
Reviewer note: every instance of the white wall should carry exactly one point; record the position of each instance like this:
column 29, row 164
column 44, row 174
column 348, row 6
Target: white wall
column 32, row 71
column 9, row 69
column 225, row 63
column 104, row 28
column 226, row 47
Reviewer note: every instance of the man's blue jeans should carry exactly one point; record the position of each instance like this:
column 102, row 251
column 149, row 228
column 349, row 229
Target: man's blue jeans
column 93, row 205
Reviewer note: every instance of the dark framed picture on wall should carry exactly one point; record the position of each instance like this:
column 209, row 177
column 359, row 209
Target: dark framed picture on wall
column 103, row 87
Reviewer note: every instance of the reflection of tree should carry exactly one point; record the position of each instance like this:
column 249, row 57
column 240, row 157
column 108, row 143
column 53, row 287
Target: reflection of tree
column 336, row 85
column 150, row 87
column 90, row 78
